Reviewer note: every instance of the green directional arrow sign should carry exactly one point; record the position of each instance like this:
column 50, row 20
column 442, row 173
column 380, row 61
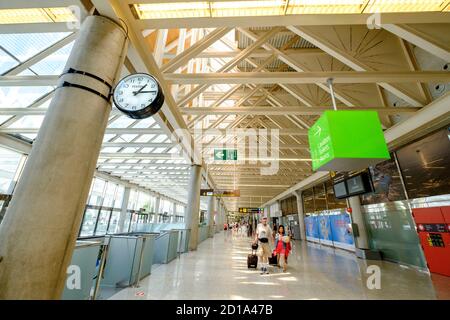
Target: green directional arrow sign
column 225, row 154
column 346, row 141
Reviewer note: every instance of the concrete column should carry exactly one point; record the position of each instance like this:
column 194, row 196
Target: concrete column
column 301, row 215
column 157, row 205
column 361, row 241
column 218, row 216
column 38, row 234
column 211, row 209
column 193, row 205
column 174, row 212
column 123, row 209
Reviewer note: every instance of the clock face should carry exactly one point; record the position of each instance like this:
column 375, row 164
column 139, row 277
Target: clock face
column 136, row 92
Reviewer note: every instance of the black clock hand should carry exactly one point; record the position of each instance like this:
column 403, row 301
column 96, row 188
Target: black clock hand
column 140, row 90
column 148, row 91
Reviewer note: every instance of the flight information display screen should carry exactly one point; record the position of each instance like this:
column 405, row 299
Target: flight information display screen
column 355, row 185
column 340, row 190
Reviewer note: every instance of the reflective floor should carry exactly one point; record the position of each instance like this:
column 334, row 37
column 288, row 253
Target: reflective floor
column 218, row 270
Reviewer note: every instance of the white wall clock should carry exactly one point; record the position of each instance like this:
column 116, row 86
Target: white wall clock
column 138, row 95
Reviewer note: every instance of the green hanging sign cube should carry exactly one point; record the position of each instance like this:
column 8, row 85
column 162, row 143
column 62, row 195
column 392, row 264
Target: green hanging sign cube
column 347, row 141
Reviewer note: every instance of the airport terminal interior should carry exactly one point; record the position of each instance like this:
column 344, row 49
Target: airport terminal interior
column 152, row 150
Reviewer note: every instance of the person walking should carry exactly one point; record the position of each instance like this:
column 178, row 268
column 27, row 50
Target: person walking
column 263, row 237
column 282, row 246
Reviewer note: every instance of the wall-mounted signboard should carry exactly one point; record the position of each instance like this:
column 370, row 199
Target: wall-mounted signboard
column 220, row 193
column 346, row 141
column 251, row 210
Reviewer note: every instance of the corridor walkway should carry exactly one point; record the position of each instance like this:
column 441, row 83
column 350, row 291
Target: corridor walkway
column 218, row 270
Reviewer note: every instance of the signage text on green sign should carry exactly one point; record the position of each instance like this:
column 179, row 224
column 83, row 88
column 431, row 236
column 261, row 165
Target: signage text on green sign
column 347, row 140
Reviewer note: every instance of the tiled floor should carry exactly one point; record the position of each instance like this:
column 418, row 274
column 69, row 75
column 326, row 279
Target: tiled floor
column 218, row 270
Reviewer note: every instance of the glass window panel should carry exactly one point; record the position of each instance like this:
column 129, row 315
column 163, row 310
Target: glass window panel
column 114, row 223
column 115, row 160
column 308, row 201
column 160, row 138
column 21, row 97
column 145, row 123
column 143, row 201
column 387, row 183
column 146, row 150
column 118, row 198
column 102, row 223
column 3, row 119
column 126, row 137
column 425, row 165
column 108, row 136
column 108, row 202
column 9, row 163
column 26, row 45
column 6, row 62
column 332, row 201
column 96, row 197
column 90, row 217
column 145, row 138
column 133, row 199
column 110, row 149
column 128, row 150
column 320, row 202
column 53, row 64
column 159, row 150
column 122, row 122
column 33, row 122
column 134, row 218
column 126, row 225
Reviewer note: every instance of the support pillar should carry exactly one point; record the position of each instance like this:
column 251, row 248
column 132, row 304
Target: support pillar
column 38, row 234
column 174, row 212
column 123, row 209
column 361, row 240
column 157, row 205
column 211, row 209
column 218, row 216
column 362, row 249
column 301, row 215
column 193, row 205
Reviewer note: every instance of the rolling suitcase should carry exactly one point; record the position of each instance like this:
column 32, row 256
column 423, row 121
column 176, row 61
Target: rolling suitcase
column 252, row 260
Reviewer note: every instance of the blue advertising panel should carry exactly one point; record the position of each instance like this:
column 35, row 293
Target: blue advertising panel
column 312, row 227
column 325, row 229
column 341, row 229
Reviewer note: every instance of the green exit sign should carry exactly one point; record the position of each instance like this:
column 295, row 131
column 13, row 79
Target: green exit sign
column 346, row 141
column 225, row 154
